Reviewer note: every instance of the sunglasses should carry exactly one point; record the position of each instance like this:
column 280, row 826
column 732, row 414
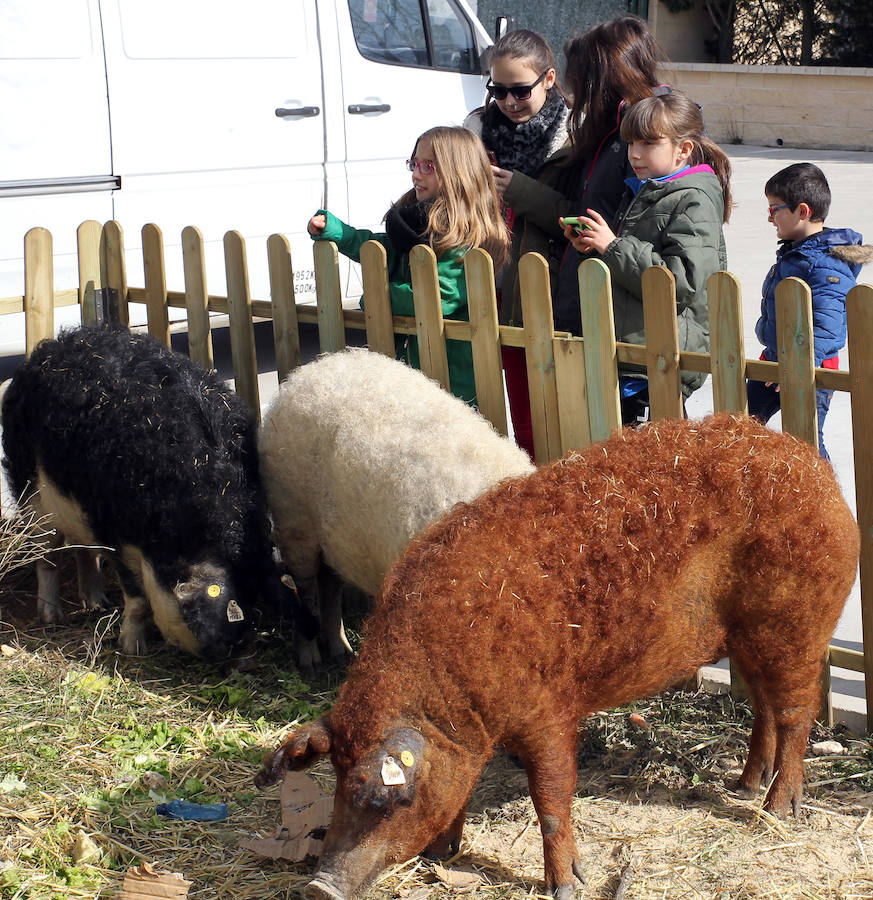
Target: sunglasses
column 520, row 92
column 774, row 209
column 425, row 166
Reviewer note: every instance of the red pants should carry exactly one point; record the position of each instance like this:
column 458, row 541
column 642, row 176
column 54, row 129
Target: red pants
column 515, row 370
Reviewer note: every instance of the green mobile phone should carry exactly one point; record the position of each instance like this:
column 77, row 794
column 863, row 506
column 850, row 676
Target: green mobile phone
column 578, row 226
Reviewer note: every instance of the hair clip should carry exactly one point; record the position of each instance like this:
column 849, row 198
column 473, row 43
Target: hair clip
column 662, row 90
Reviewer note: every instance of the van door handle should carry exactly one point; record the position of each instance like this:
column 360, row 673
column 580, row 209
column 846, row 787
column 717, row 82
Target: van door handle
column 358, row 109
column 302, row 112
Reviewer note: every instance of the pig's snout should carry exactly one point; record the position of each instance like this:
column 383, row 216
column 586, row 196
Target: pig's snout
column 322, row 887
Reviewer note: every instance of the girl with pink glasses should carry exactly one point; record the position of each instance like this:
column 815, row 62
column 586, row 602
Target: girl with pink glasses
column 452, row 207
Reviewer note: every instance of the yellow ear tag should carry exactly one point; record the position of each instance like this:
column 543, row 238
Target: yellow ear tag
column 213, row 591
column 407, row 759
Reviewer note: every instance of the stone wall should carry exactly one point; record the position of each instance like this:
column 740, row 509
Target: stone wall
column 791, row 106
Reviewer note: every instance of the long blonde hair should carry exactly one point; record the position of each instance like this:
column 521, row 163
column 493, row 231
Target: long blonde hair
column 466, row 211
column 672, row 115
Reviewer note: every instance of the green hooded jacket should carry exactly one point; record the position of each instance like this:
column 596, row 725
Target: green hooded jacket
column 453, row 295
column 677, row 224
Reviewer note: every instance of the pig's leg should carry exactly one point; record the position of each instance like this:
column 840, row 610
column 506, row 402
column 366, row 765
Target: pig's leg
column 48, row 604
column 794, row 716
column 137, row 610
column 306, row 650
column 91, row 591
column 48, row 583
column 551, row 773
column 762, row 746
column 330, row 608
column 785, row 694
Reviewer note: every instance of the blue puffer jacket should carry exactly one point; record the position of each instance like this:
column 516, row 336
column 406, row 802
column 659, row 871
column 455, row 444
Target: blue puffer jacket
column 829, row 262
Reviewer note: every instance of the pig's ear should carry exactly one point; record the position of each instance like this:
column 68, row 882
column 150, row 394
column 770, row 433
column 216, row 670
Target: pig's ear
column 300, row 750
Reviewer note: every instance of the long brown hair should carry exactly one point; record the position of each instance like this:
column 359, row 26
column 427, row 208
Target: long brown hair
column 466, row 211
column 674, row 116
column 613, row 61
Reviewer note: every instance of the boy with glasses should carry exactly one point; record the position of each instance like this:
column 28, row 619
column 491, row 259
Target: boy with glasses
column 827, row 259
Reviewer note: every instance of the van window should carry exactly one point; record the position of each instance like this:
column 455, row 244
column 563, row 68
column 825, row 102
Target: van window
column 434, row 34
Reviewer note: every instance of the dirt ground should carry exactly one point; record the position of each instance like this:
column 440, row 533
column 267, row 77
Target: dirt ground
column 654, row 814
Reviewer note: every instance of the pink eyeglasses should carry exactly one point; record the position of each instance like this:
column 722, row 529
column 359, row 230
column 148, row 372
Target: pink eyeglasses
column 425, row 166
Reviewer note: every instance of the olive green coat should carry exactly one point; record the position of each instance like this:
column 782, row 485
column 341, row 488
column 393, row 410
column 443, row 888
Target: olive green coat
column 677, row 224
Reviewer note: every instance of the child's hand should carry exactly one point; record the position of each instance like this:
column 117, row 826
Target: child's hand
column 597, row 235
column 502, row 177
column 317, row 223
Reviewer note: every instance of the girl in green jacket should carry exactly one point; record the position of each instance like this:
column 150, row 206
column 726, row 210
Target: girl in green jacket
column 671, row 215
column 452, row 207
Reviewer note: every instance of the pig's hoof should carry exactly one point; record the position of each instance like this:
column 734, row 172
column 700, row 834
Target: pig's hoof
column 94, row 601
column 50, row 612
column 319, row 889
column 133, row 641
column 565, row 892
column 744, row 792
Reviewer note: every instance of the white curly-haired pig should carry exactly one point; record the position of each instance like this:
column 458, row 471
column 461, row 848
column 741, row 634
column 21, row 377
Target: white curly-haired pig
column 359, row 453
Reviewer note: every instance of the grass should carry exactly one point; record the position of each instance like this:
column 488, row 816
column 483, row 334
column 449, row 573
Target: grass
column 91, row 741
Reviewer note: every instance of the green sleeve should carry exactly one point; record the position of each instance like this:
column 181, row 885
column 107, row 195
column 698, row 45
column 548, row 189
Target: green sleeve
column 349, row 240
column 453, row 288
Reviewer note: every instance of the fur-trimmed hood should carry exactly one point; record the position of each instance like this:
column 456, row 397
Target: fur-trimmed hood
column 854, row 254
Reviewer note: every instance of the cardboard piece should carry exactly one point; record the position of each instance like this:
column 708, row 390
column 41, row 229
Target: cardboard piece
column 461, row 882
column 305, row 809
column 147, row 883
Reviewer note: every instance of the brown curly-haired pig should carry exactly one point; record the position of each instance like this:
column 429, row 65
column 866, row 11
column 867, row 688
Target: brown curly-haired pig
column 596, row 580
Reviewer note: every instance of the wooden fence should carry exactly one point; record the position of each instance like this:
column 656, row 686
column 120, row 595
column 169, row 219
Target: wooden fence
column 573, row 382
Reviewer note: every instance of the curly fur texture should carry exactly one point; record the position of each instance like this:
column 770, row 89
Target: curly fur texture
column 598, row 579
column 160, row 459
column 359, row 452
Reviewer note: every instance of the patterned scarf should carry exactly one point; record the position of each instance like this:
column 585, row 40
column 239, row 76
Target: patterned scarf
column 523, row 147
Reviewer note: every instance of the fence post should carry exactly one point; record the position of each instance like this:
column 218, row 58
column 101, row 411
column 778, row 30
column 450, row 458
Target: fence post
column 377, row 301
column 539, row 330
column 91, row 293
column 662, row 344
column 239, row 308
column 286, row 329
column 487, row 367
column 859, row 310
column 429, row 314
column 601, row 365
column 196, row 297
column 39, row 288
column 329, row 298
column 727, row 355
column 155, row 283
column 794, row 342
column 114, row 268
column 796, row 359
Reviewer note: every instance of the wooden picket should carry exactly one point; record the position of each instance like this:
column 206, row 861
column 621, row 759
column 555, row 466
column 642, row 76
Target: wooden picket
column 196, row 297
column 574, row 387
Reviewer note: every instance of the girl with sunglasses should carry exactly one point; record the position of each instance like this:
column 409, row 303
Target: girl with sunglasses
column 522, row 123
column 452, row 207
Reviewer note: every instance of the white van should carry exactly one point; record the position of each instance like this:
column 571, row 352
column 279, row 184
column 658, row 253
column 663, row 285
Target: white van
column 246, row 116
